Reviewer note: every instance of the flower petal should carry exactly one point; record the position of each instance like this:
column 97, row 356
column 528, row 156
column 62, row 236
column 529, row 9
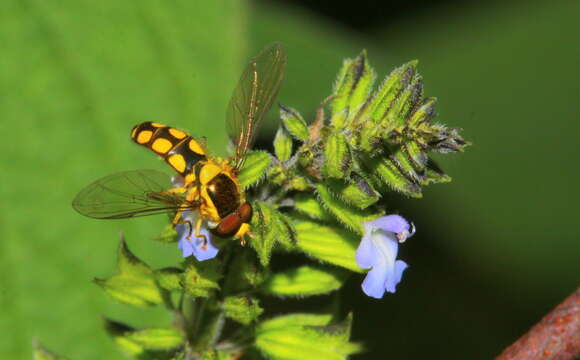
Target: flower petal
column 204, row 252
column 366, row 253
column 195, row 246
column 393, row 223
column 394, row 278
column 386, row 246
column 184, row 245
column 374, row 283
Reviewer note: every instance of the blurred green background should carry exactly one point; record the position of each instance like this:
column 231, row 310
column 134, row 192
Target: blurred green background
column 495, row 250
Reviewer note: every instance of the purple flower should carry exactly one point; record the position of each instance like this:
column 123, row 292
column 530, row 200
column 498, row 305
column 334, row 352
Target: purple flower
column 188, row 243
column 378, row 250
column 194, row 246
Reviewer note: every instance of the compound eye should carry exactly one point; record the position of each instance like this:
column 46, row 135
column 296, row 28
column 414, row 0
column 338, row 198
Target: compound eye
column 245, row 212
column 229, row 226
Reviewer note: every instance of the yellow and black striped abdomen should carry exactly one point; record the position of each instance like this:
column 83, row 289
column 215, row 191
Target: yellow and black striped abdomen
column 176, row 147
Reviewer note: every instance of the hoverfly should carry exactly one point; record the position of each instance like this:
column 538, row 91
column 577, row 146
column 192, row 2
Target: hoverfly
column 210, row 184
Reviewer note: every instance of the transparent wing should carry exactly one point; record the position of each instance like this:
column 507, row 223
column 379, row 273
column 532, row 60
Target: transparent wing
column 129, row 194
column 253, row 97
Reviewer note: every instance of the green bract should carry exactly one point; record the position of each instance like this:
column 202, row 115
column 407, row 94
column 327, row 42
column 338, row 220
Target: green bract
column 328, row 177
column 294, row 123
column 305, row 280
column 134, row 283
column 255, row 165
column 242, row 309
column 151, row 343
column 201, row 278
column 304, row 337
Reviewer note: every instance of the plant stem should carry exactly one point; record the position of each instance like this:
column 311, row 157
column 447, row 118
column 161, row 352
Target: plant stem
column 556, row 336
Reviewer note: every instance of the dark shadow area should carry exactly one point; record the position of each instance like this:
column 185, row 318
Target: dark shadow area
column 364, row 16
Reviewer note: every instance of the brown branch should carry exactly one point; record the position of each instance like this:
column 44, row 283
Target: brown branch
column 318, row 123
column 555, row 337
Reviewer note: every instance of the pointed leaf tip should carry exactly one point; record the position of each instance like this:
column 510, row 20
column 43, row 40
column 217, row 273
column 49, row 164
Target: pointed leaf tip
column 254, row 169
column 305, row 280
column 134, row 282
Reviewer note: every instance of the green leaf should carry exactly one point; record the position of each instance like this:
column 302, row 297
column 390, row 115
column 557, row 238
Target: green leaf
column 357, row 192
column 295, row 320
column 328, row 243
column 242, row 309
column 370, row 138
column 305, row 280
column 337, row 156
column 424, row 114
column 308, row 205
column 246, row 272
column 283, row 145
column 168, row 235
column 294, row 123
column 39, row 352
column 390, row 175
column 398, row 112
column 134, row 283
column 350, row 216
column 298, row 183
column 201, row 277
column 222, row 355
column 305, row 337
column 156, row 338
column 439, row 138
column 435, row 174
column 416, row 155
column 264, row 231
column 170, row 278
column 389, row 91
column 270, row 227
column 352, row 87
column 406, row 165
column 150, row 344
column 255, row 165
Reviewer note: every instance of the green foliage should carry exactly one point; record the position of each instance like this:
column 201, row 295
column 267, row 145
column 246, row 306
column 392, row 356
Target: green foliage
column 255, row 165
column 349, row 215
column 242, row 309
column 388, row 175
column 304, row 281
column 170, row 278
column 313, row 198
column 305, row 337
column 352, row 87
column 328, row 244
column 294, row 123
column 201, row 278
column 247, row 272
column 167, row 28
column 283, row 145
column 269, row 227
column 311, row 207
column 156, row 338
column 134, row 283
column 337, row 157
column 146, row 344
column 358, row 192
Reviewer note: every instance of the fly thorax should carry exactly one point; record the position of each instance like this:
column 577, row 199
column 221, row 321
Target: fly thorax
column 221, row 188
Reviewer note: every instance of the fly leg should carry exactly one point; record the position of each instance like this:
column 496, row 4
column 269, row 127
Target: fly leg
column 198, row 233
column 179, row 220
